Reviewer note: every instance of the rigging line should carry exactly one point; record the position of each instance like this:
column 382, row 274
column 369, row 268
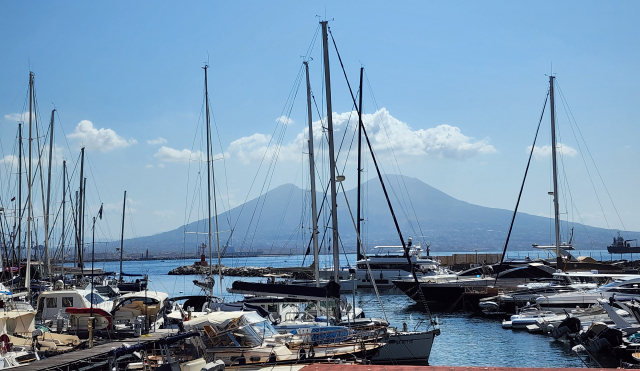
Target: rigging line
column 284, row 211
column 415, row 214
column 271, row 168
column 93, row 179
column 393, row 215
column 298, row 78
column 571, row 118
column 375, row 287
column 526, row 171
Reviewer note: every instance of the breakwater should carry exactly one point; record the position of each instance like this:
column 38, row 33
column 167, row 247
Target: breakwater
column 296, row 272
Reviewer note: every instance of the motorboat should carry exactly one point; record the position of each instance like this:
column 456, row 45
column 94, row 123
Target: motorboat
column 621, row 289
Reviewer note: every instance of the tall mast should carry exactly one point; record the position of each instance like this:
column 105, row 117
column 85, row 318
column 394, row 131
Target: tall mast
column 19, row 196
column 359, row 240
column 555, row 174
column 312, row 180
column 76, row 215
column 206, row 98
column 64, row 197
column 27, row 279
column 46, row 214
column 124, row 203
column 332, row 159
column 80, row 214
column 84, row 202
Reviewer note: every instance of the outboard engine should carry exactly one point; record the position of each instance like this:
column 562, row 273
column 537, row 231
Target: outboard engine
column 601, row 337
column 569, row 326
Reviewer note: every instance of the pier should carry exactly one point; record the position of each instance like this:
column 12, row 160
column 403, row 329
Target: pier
column 97, row 357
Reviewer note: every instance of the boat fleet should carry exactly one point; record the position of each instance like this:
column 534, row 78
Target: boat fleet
column 49, row 312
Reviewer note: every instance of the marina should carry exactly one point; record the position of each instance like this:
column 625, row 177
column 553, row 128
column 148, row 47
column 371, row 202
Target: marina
column 323, row 249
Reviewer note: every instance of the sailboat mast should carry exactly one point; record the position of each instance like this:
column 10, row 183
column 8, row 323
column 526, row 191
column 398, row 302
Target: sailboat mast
column 332, row 159
column 27, row 278
column 206, row 102
column 79, row 213
column 312, row 181
column 19, row 214
column 124, row 203
column 359, row 239
column 84, row 203
column 46, row 214
column 64, row 197
column 556, row 207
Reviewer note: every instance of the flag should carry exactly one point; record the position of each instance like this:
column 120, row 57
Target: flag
column 100, row 212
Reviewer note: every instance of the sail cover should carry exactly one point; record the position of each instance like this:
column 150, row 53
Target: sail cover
column 330, row 291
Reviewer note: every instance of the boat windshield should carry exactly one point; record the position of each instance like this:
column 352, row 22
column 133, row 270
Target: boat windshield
column 610, row 284
column 264, row 329
column 97, row 298
column 246, row 336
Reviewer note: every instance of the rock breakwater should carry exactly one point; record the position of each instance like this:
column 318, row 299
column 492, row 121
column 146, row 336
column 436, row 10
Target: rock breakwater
column 236, row 271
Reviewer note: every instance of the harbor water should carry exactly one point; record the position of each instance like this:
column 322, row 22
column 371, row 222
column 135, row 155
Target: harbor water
column 465, row 340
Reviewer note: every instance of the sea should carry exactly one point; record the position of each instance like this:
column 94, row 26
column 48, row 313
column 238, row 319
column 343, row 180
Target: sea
column 465, row 339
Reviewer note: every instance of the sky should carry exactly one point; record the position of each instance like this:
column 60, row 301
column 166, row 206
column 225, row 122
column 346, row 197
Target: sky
column 453, row 95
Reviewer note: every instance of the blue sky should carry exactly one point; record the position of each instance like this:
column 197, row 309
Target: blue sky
column 462, row 84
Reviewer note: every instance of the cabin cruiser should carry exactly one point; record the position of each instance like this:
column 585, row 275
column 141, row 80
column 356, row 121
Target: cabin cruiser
column 388, row 263
column 621, row 289
column 53, row 304
column 448, row 293
column 152, row 305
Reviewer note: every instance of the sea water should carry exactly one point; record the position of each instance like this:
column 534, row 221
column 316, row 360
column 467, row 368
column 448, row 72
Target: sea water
column 465, row 340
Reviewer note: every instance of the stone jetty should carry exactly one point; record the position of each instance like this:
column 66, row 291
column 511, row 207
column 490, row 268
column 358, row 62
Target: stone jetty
column 298, row 273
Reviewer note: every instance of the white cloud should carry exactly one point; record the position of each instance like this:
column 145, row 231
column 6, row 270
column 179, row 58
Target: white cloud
column 173, row 155
column 102, row 139
column 250, row 148
column 545, row 151
column 17, row 117
column 160, row 165
column 12, row 161
column 149, row 166
column 285, row 120
column 383, row 130
column 158, row 140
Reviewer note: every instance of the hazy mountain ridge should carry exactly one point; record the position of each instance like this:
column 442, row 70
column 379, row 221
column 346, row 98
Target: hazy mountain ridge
column 450, row 224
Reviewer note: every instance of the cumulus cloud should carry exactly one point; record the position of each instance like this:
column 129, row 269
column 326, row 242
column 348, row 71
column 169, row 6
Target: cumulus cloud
column 11, row 161
column 158, row 140
column 284, row 120
column 250, row 148
column 101, row 139
column 167, row 154
column 545, row 151
column 149, row 166
column 17, row 117
column 384, row 131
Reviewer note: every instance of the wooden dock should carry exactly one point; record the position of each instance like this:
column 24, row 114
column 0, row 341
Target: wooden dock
column 82, row 358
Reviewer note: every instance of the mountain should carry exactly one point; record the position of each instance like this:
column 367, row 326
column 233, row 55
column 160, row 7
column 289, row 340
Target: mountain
column 275, row 222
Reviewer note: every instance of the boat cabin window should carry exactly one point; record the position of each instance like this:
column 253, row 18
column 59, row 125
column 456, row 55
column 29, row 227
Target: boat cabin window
column 67, row 301
column 97, row 299
column 52, row 302
column 264, row 329
column 246, row 337
column 147, row 301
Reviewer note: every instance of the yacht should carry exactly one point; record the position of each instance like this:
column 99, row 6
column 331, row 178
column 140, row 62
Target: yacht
column 388, row 263
column 620, row 289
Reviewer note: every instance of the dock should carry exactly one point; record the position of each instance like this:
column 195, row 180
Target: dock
column 343, row 367
column 90, row 357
